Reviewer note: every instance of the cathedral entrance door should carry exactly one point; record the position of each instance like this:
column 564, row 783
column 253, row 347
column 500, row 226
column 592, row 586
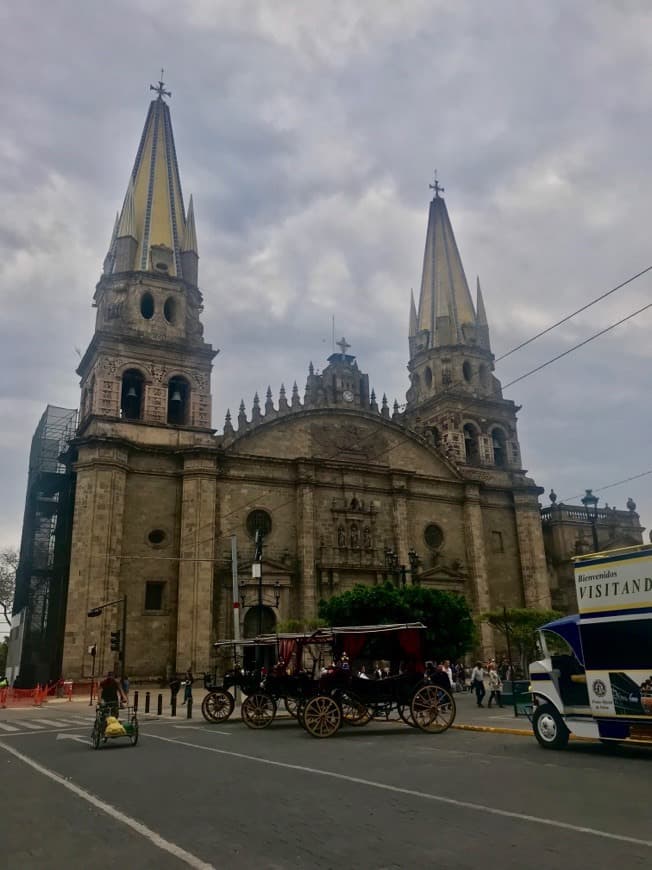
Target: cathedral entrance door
column 259, row 620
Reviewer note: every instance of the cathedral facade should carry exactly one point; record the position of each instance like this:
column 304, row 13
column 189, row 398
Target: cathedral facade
column 345, row 489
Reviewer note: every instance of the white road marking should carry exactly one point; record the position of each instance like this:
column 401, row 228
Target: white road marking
column 154, row 838
column 468, row 805
column 72, row 737
column 5, row 727
column 31, row 725
column 199, row 728
column 56, row 723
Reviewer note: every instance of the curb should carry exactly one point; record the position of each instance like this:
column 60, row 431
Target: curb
column 521, row 732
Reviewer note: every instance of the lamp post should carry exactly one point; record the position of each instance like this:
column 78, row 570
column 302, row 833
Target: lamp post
column 121, row 635
column 392, row 563
column 257, row 574
column 590, row 503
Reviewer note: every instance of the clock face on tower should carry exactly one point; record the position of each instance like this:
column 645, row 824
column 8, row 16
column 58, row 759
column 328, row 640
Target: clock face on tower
column 347, row 395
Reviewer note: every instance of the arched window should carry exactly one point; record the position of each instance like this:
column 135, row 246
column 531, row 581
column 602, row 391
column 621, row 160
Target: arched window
column 428, row 376
column 131, row 396
column 471, row 443
column 178, row 401
column 147, row 305
column 436, row 436
column 170, row 309
column 500, row 447
column 467, row 371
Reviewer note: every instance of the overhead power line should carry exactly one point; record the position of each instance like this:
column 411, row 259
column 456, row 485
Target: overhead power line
column 577, row 346
column 570, row 316
column 611, row 485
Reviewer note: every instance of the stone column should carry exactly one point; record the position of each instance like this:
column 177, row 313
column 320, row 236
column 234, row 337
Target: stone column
column 96, row 549
column 400, row 510
column 475, row 550
column 536, row 589
column 196, row 562
column 306, row 539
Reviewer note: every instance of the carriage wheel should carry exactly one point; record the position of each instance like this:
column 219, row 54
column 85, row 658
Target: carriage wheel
column 322, row 716
column 354, row 712
column 258, row 710
column 432, row 709
column 292, row 706
column 301, row 706
column 405, row 713
column 133, row 737
column 217, row 706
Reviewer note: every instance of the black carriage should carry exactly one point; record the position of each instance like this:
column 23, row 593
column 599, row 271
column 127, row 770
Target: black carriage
column 404, row 687
column 292, row 680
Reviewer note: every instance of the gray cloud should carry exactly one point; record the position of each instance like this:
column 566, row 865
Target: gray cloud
column 308, row 134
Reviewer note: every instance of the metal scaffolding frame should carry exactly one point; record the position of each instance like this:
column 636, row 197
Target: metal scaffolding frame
column 42, row 574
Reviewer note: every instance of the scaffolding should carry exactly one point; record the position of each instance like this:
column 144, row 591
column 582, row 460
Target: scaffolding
column 42, row 574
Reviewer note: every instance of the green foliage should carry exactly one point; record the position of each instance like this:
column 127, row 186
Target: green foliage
column 451, row 632
column 4, row 649
column 8, row 566
column 292, row 626
column 519, row 625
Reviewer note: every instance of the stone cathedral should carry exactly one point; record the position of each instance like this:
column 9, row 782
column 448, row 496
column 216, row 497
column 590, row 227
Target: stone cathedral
column 346, row 488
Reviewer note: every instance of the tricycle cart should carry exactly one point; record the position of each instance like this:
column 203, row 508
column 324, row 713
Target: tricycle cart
column 129, row 723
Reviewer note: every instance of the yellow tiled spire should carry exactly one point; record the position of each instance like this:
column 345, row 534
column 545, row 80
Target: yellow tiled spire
column 445, row 303
column 153, row 212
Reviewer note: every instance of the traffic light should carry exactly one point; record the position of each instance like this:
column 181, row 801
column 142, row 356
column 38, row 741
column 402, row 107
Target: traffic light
column 115, row 641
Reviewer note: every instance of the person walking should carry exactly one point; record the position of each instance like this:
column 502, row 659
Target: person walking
column 187, row 687
column 495, row 686
column 175, row 685
column 477, row 681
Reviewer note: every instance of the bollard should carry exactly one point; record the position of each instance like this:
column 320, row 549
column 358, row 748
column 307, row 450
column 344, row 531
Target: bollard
column 189, row 708
column 159, row 710
column 135, row 702
column 173, row 710
column 147, row 702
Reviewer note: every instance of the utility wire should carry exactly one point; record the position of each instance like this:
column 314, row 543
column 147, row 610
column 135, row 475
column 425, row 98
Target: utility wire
column 577, row 346
column 611, row 485
column 570, row 316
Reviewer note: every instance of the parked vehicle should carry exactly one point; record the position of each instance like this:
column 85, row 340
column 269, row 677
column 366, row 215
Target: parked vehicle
column 594, row 678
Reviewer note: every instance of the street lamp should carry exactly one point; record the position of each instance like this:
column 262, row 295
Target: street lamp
column 118, row 638
column 590, row 503
column 392, row 563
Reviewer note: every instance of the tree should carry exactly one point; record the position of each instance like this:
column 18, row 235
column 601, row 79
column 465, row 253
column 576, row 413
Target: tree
column 4, row 649
column 451, row 631
column 519, row 625
column 8, row 566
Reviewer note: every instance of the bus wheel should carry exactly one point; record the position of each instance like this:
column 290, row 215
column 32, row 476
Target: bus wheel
column 549, row 727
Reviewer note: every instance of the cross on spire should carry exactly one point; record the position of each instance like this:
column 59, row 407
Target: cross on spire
column 343, row 345
column 159, row 88
column 436, row 187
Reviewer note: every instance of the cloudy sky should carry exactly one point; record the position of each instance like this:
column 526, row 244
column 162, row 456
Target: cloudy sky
column 308, row 133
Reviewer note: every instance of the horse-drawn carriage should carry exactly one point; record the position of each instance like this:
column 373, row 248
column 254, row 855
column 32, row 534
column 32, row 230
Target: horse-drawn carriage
column 320, row 677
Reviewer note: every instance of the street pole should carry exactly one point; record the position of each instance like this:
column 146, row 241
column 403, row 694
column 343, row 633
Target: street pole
column 236, row 602
column 594, row 532
column 509, row 656
column 93, row 652
column 123, row 656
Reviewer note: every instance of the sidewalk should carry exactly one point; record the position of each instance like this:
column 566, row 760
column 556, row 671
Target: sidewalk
column 494, row 719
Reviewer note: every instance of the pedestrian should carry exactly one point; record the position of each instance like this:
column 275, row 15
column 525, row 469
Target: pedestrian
column 448, row 671
column 495, row 686
column 111, row 694
column 477, row 681
column 125, row 687
column 175, row 685
column 187, row 686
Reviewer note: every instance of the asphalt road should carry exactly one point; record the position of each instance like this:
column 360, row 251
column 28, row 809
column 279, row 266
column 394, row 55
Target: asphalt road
column 383, row 796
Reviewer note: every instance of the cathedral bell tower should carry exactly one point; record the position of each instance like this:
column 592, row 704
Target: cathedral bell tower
column 147, row 361
column 454, row 396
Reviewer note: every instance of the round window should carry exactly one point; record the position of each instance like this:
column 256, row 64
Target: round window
column 147, row 306
column 433, row 536
column 156, row 536
column 259, row 520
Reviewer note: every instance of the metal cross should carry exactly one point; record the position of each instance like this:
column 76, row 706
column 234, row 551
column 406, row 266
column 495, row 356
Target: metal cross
column 436, row 186
column 343, row 345
column 160, row 88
